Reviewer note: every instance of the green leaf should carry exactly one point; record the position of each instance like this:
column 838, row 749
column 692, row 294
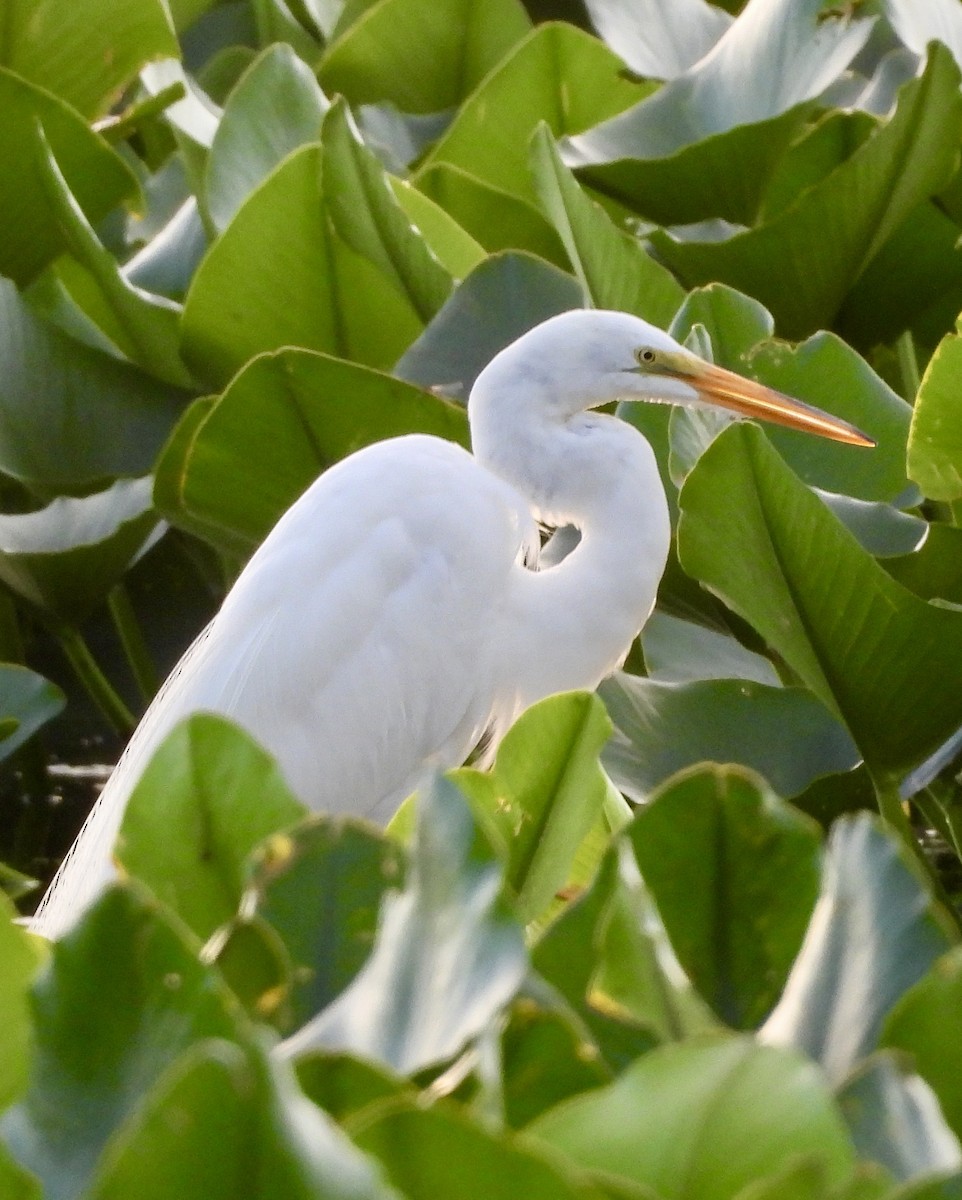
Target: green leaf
column 146, row 328
column 66, row 558
column 448, row 924
column 505, row 296
column 320, row 886
column 435, row 1152
column 342, row 1084
column 235, row 465
column 613, row 267
column 21, row 955
column 114, row 982
column 223, row 795
column 784, row 734
column 544, row 795
column 455, row 249
column 884, row 660
column 874, row 933
column 843, row 221
column 919, row 1024
column 369, row 218
column 279, row 276
column 30, row 700
column 734, row 872
column 275, row 108
column 935, row 441
column 702, row 1119
column 87, row 53
column 421, row 55
column 558, row 74
column 30, row 233
column 934, row 570
column 495, row 218
column 71, row 416
column 895, row 1120
column 222, row 1124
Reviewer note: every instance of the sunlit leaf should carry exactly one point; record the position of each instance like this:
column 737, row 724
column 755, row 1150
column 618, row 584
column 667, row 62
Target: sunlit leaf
column 30, row 236
column 88, row 52
column 448, row 923
column 130, row 974
column 223, row 795
column 703, row 1119
column 444, row 48
column 935, row 442
column 275, row 108
column 874, row 933
column 21, row 956
column 783, row 733
column 869, row 649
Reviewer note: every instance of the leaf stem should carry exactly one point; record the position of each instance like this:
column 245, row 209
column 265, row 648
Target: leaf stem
column 908, row 366
column 95, row 682
column 132, row 639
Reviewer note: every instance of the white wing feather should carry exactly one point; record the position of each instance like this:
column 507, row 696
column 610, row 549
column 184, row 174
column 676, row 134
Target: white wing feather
column 365, row 640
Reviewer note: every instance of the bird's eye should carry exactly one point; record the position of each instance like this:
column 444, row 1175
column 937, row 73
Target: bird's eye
column 646, row 356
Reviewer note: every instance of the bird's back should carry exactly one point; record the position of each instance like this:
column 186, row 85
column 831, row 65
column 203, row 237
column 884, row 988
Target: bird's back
column 362, row 642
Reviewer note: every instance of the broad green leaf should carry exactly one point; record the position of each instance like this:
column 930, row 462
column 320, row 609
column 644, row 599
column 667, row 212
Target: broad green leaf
column 613, row 267
column 422, row 55
column 87, row 52
column 921, row 1022
column 501, row 299
column 607, row 956
column 874, row 933
column 735, row 323
column 455, row 249
column 544, row 795
column 21, row 956
column 275, row 108
column 369, row 218
column 648, row 169
column 924, row 257
column 558, row 74
column 320, row 886
column 881, row 529
column 884, row 660
column 784, row 734
column 342, row 1084
column 30, row 700
column 279, row 276
column 221, row 1124
column 843, row 221
column 281, row 421
column 223, row 795
column 118, row 979
column 935, row 440
column 15, row 1182
column 66, row 558
column 71, row 416
column 448, row 925
column 546, row 1057
column 734, row 872
column 166, row 264
column 495, row 218
column 680, row 651
column 657, row 41
column 30, row 234
column 896, row 1121
column 437, row 1151
column 702, row 1119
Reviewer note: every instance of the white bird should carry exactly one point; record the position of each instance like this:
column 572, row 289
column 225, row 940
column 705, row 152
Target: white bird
column 395, row 614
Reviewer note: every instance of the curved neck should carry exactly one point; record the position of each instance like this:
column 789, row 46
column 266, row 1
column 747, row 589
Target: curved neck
column 578, row 619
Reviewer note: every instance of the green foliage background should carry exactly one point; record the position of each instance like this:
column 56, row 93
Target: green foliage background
column 240, row 240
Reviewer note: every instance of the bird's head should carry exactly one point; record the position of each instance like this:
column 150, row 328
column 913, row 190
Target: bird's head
column 588, row 357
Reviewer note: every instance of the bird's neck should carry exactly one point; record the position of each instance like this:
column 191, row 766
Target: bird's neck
column 599, row 474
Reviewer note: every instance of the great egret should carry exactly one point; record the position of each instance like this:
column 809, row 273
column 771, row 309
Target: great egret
column 394, row 615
